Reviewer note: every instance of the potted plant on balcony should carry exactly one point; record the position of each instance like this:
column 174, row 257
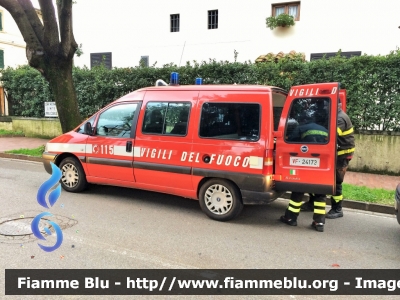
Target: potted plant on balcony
column 282, row 20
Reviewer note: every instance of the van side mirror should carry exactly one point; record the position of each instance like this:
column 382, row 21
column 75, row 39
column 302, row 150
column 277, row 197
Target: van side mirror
column 87, row 129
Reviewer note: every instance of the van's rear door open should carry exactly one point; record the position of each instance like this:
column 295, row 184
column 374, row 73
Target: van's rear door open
column 305, row 155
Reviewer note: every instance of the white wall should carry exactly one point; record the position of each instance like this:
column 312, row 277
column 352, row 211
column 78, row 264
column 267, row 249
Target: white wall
column 11, row 42
column 130, row 29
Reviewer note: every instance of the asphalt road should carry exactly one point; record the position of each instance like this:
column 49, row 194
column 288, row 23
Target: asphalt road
column 118, row 228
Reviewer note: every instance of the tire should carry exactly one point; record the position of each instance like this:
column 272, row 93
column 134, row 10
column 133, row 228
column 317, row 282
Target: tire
column 220, row 200
column 73, row 177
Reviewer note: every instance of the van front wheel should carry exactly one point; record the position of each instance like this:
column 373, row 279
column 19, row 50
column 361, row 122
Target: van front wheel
column 73, row 177
column 220, row 200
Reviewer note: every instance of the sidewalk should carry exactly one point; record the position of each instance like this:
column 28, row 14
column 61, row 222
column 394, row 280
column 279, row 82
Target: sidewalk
column 372, row 180
column 13, row 143
column 355, row 178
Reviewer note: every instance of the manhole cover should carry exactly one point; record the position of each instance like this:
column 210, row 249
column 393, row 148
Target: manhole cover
column 16, row 229
column 20, row 227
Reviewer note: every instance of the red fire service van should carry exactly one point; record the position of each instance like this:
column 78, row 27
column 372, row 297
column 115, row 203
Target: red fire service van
column 224, row 145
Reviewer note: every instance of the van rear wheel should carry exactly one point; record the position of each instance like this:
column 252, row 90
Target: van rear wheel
column 220, row 200
column 73, row 178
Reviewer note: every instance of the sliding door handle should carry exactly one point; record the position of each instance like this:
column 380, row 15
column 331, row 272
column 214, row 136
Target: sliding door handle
column 129, row 146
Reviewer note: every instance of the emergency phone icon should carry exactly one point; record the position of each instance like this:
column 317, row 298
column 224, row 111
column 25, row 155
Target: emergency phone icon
column 41, row 199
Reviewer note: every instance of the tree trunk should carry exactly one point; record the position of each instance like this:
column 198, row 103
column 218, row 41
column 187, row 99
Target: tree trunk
column 58, row 73
column 50, row 48
column 10, row 103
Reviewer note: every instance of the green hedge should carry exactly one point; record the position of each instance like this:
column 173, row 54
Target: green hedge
column 372, row 84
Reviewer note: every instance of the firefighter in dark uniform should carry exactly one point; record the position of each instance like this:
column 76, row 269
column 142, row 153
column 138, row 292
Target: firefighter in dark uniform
column 345, row 151
column 310, row 132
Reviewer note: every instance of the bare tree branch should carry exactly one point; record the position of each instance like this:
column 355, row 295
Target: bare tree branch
column 33, row 18
column 23, row 23
column 68, row 42
column 45, row 52
column 51, row 35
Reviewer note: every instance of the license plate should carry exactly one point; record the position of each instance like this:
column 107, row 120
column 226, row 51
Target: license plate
column 305, row 162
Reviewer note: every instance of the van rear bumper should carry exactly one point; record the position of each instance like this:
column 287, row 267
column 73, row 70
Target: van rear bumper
column 256, row 198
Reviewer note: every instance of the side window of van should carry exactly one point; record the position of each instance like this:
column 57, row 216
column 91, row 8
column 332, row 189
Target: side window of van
column 308, row 121
column 237, row 121
column 169, row 118
column 278, row 101
column 116, row 121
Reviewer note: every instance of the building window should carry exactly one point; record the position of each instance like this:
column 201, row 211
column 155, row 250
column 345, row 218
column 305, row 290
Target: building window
column 213, row 19
column 144, row 61
column 292, row 9
column 349, row 54
column 175, row 23
column 97, row 59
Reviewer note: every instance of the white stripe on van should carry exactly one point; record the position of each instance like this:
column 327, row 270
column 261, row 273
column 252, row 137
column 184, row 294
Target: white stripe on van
column 121, row 150
column 136, row 151
column 64, row 147
column 89, row 148
column 256, row 162
column 84, row 148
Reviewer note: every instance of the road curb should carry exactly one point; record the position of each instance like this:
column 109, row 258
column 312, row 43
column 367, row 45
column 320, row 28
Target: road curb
column 371, row 207
column 12, row 135
column 21, row 157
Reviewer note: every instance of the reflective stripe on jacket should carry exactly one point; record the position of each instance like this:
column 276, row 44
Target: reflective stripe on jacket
column 345, row 137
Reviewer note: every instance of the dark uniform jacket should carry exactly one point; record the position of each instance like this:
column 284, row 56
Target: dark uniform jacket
column 345, row 138
column 311, row 133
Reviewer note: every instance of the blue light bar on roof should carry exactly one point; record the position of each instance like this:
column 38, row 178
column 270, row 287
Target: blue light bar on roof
column 174, row 78
column 199, row 81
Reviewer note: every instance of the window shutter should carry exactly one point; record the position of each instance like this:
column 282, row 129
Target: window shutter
column 348, row 54
column 1, row 21
column 144, row 61
column 97, row 59
column 1, row 59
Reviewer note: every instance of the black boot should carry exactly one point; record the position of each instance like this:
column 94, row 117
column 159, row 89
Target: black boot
column 318, row 226
column 291, row 222
column 336, row 210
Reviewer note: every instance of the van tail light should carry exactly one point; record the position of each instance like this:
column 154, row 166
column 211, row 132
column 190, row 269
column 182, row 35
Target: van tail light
column 269, row 162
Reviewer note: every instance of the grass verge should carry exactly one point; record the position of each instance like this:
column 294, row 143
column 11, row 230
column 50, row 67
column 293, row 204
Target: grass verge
column 4, row 132
column 31, row 152
column 364, row 194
